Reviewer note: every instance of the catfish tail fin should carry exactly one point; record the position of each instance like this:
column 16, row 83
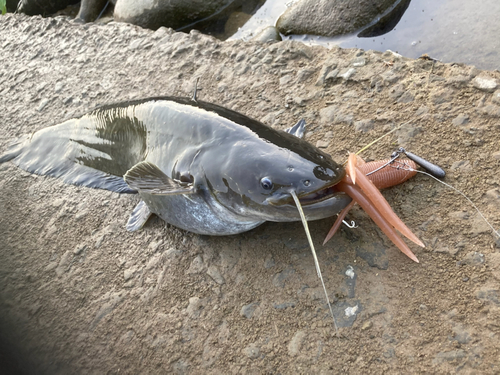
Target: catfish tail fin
column 35, row 153
column 94, row 150
column 15, row 148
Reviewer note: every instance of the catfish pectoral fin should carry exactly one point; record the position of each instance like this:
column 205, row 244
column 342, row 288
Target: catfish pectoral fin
column 138, row 217
column 146, row 177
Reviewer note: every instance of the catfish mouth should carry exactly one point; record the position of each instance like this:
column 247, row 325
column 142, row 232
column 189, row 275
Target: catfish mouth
column 318, row 195
column 308, row 199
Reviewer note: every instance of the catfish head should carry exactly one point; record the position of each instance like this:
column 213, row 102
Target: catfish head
column 255, row 179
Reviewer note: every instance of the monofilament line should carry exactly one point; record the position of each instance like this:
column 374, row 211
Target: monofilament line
column 379, row 138
column 466, row 197
column 495, row 232
column 318, row 270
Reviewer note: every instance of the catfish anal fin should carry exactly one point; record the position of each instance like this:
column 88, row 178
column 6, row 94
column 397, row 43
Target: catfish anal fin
column 138, row 217
column 145, row 177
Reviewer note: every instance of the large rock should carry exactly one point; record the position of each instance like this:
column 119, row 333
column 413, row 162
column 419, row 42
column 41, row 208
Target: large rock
column 387, row 22
column 34, row 7
column 90, row 10
column 330, row 17
column 176, row 14
column 11, row 5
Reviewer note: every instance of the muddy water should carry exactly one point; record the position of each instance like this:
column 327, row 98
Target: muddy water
column 464, row 31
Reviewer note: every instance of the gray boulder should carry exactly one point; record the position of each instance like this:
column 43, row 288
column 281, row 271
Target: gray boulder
column 11, row 5
column 387, row 22
column 177, row 14
column 91, row 9
column 330, row 17
column 43, row 7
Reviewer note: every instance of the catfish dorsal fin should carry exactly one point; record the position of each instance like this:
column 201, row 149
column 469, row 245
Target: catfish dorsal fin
column 145, row 177
column 298, row 129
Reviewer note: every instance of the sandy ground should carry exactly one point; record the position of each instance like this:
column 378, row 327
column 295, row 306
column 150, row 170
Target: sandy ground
column 80, row 295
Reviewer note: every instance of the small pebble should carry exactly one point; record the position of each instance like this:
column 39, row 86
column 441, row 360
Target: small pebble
column 128, row 273
column 472, row 259
column 270, row 33
column 43, row 104
column 367, row 325
column 195, row 307
column 252, row 351
column 347, row 73
column 461, row 119
column 322, row 144
column 248, row 310
column 296, row 343
column 214, row 273
column 484, row 83
column 79, row 249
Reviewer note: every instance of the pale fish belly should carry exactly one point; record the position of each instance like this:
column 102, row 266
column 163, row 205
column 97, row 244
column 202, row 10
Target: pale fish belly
column 193, row 213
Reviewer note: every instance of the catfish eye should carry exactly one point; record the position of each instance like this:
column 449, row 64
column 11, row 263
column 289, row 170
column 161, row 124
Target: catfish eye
column 266, row 183
column 307, row 183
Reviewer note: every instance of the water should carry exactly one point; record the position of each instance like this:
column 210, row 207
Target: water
column 464, row 31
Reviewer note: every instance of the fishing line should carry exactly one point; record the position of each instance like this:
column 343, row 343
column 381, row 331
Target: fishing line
column 406, row 167
column 378, row 139
column 466, row 197
column 433, row 171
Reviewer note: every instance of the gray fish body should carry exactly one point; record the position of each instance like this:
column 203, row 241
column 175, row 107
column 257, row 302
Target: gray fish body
column 198, row 166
